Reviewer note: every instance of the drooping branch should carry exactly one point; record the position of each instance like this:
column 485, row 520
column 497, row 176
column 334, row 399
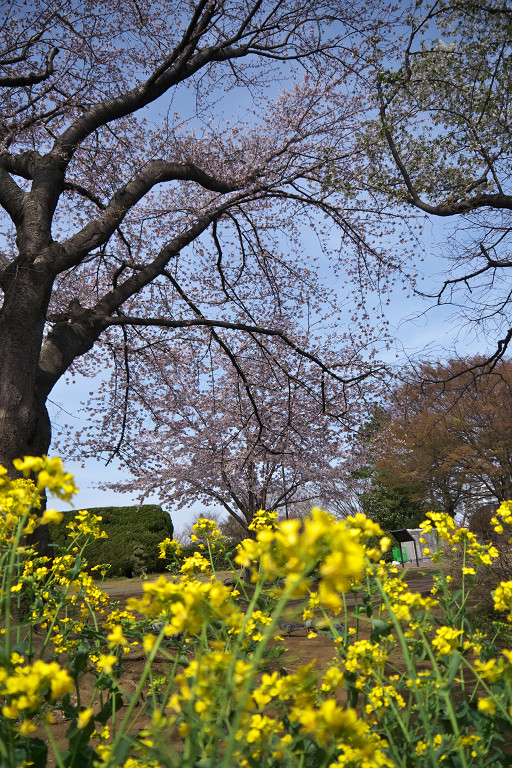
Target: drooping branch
column 165, row 323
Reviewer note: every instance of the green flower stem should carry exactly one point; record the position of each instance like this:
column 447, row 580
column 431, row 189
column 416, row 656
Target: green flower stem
column 56, row 750
column 445, row 694
column 397, row 713
column 481, row 682
column 6, row 751
column 411, row 671
column 54, row 620
column 138, row 690
column 260, row 649
column 8, row 581
column 210, row 555
column 171, row 683
column 237, row 648
column 400, row 761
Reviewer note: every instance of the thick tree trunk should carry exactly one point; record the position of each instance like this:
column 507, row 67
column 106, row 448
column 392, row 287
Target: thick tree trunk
column 25, row 427
column 33, row 441
column 25, row 431
column 24, row 422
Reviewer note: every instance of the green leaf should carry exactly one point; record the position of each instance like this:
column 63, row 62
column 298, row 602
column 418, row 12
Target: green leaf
column 453, row 668
column 380, row 629
column 22, row 648
column 122, row 750
column 104, row 715
column 32, row 752
column 80, row 659
column 76, row 569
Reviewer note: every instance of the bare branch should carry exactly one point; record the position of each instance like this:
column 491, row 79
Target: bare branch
column 31, row 78
column 73, row 186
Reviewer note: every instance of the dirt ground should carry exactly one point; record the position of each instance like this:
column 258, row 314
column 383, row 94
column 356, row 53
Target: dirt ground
column 300, row 648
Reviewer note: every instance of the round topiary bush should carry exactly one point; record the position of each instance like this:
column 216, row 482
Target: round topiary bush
column 128, row 529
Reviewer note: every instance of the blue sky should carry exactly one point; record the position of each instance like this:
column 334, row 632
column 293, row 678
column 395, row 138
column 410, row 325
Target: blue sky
column 415, row 330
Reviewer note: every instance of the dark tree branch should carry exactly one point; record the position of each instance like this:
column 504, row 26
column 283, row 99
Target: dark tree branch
column 222, row 344
column 126, row 395
column 73, row 186
column 492, row 264
column 4, row 263
column 181, row 65
column 198, row 24
column 498, row 201
column 97, row 232
column 20, row 165
column 202, row 321
column 12, row 197
column 31, row 78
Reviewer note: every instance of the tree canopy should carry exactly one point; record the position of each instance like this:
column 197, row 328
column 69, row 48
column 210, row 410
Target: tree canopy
column 202, row 440
column 393, row 506
column 158, row 167
column 450, row 431
column 176, row 179
column 442, row 146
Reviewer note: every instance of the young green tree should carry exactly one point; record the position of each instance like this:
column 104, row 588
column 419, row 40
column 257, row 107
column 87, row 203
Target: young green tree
column 393, row 506
column 442, row 147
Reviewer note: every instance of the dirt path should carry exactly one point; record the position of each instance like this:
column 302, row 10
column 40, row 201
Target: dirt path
column 301, row 649
column 419, row 580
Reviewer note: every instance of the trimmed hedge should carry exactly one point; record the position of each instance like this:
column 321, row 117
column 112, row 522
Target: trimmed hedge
column 134, row 534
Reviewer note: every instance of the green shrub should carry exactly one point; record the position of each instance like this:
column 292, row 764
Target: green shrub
column 127, row 528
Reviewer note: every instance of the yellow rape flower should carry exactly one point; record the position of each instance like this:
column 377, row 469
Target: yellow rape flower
column 490, row 670
column 148, row 643
column 169, row 544
column 106, row 662
column 363, row 656
column 27, row 727
column 502, row 597
column 27, row 685
column 83, row 718
column 487, row 705
column 116, row 637
column 51, row 516
column 446, row 640
column 50, row 475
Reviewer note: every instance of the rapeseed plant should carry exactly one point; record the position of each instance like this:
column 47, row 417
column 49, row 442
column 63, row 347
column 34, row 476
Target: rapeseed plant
column 221, row 701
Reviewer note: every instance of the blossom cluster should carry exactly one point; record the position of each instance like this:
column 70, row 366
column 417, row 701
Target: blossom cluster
column 455, row 538
column 207, row 535
column 294, row 548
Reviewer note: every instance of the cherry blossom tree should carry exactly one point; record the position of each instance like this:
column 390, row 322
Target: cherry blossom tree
column 159, row 165
column 194, row 430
